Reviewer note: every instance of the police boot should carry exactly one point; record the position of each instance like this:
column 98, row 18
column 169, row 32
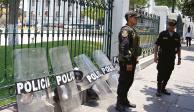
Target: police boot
column 121, row 108
column 159, row 87
column 163, row 90
column 130, row 105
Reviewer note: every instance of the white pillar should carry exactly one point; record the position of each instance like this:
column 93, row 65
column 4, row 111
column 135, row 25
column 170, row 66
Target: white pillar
column 163, row 12
column 119, row 10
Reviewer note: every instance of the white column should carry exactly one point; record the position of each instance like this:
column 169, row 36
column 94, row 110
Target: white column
column 119, row 10
column 161, row 11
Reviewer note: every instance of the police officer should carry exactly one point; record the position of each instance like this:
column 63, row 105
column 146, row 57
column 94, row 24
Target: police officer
column 167, row 46
column 129, row 50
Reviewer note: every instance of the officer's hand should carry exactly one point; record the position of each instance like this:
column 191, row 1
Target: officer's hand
column 129, row 67
column 179, row 62
column 156, row 59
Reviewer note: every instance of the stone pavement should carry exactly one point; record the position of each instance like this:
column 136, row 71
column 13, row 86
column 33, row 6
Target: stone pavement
column 142, row 93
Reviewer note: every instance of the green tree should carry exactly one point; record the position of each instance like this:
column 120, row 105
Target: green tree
column 94, row 9
column 170, row 3
column 188, row 8
column 141, row 3
column 13, row 9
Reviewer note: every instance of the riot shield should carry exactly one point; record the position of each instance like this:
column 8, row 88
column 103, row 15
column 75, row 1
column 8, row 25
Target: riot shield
column 92, row 76
column 63, row 70
column 32, row 84
column 107, row 68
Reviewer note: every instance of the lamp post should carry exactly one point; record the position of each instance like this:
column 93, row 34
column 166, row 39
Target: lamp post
column 173, row 5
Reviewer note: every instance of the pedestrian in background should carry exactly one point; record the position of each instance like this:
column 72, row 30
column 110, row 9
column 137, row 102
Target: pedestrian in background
column 188, row 35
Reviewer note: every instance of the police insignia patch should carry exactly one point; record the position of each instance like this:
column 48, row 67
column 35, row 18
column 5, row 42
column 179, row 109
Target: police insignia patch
column 124, row 33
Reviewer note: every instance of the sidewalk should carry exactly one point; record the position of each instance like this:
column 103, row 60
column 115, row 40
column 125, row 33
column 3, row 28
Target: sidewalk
column 142, row 93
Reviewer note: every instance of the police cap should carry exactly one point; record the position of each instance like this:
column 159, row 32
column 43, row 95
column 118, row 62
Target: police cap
column 172, row 22
column 131, row 14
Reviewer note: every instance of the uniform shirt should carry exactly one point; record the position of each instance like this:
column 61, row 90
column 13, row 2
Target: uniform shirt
column 126, row 36
column 169, row 44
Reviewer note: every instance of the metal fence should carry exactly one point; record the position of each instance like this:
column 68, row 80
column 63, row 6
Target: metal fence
column 82, row 25
column 148, row 29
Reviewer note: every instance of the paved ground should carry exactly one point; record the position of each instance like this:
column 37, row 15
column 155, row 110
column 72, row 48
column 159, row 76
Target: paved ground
column 142, row 93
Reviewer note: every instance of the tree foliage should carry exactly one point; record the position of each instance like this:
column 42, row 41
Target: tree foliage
column 169, row 3
column 94, row 9
column 188, row 8
column 138, row 2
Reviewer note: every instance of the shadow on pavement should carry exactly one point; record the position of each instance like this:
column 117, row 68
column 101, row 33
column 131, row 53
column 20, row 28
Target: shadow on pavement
column 191, row 58
column 191, row 48
column 180, row 101
column 111, row 108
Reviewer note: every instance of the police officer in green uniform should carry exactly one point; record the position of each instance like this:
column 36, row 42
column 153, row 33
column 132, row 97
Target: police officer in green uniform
column 129, row 51
column 167, row 46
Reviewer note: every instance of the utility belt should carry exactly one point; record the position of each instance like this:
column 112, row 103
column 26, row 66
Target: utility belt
column 167, row 54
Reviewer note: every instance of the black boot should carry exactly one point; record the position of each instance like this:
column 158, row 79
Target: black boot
column 120, row 108
column 130, row 105
column 159, row 86
column 163, row 90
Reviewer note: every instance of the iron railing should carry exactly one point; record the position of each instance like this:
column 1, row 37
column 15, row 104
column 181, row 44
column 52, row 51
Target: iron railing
column 82, row 25
column 148, row 29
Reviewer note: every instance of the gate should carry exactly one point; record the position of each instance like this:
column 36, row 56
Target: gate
column 82, row 25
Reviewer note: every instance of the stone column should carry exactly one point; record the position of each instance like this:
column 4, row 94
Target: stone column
column 120, row 7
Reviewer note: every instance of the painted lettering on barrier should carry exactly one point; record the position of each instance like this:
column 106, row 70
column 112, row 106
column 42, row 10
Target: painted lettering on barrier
column 115, row 60
column 32, row 85
column 94, row 76
column 107, row 69
column 65, row 78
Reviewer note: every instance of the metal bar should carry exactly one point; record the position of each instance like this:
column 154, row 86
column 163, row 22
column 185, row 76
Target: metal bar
column 68, row 22
column 58, row 31
column 72, row 27
column 53, row 30
column 83, row 42
column 110, row 27
column 36, row 24
column 42, row 23
column 48, row 26
column 22, row 23
column 75, row 49
column 95, row 34
column 29, row 23
column 86, row 43
column 94, row 26
column 63, row 32
column 80, row 9
column 6, row 32
column 90, row 28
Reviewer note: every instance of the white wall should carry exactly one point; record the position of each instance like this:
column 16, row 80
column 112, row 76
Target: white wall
column 163, row 12
column 119, row 10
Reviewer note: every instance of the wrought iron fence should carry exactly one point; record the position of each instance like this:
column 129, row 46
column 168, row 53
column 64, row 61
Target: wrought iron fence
column 82, row 25
column 148, row 29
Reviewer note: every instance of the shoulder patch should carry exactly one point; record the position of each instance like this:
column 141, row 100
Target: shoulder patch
column 124, row 33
